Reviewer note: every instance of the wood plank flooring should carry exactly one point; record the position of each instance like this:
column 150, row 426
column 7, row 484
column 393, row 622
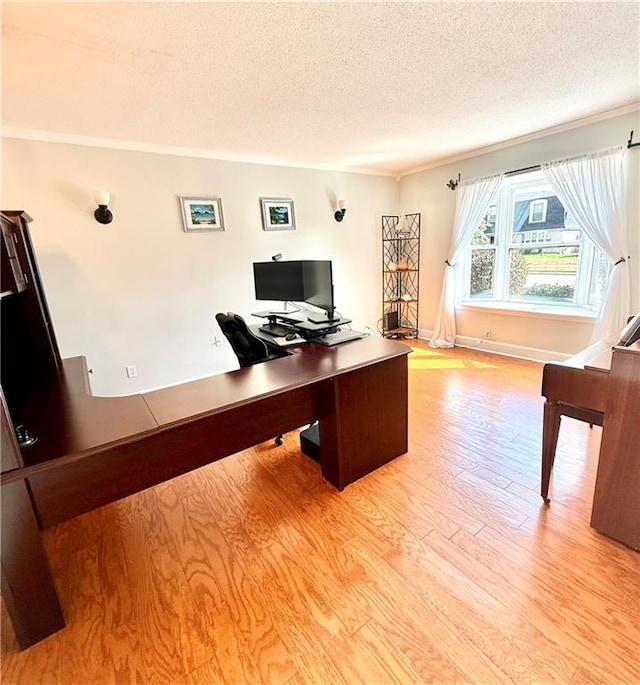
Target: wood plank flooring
column 444, row 566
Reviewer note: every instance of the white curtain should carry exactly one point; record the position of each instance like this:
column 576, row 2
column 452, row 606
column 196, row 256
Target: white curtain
column 592, row 189
column 472, row 201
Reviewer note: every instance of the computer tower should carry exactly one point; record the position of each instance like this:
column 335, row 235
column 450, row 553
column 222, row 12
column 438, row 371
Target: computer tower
column 391, row 320
column 310, row 441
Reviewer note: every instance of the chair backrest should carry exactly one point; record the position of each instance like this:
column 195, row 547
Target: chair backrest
column 248, row 348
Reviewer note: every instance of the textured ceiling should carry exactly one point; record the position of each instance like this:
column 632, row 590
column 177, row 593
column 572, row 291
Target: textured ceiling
column 381, row 86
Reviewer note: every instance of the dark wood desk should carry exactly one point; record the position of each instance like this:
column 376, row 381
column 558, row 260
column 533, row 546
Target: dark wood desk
column 94, row 450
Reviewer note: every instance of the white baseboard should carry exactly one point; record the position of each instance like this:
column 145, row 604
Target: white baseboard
column 506, row 349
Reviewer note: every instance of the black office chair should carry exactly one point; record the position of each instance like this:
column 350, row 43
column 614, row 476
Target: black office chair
column 248, row 348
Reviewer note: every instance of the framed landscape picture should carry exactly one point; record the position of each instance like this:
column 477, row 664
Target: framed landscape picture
column 202, row 214
column 277, row 214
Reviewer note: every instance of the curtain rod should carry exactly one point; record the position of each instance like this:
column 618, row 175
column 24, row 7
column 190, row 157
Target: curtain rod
column 453, row 184
column 514, row 172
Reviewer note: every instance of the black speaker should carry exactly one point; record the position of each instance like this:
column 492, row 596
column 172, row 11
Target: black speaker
column 390, row 320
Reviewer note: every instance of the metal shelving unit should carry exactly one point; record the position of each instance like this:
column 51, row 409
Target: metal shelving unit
column 400, row 274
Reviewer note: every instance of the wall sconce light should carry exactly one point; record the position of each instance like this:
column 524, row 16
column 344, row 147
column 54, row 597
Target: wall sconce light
column 102, row 214
column 342, row 210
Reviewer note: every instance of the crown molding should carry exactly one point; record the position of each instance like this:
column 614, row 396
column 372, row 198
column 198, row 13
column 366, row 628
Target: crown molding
column 153, row 148
column 542, row 133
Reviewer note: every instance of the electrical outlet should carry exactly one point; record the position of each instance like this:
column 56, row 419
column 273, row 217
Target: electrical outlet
column 487, row 334
column 131, row 370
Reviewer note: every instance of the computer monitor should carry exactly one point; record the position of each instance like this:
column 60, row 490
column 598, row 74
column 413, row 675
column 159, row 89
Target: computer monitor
column 318, row 289
column 279, row 281
column 297, row 281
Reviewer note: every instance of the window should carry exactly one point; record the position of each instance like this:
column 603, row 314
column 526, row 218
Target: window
column 537, row 211
column 513, row 259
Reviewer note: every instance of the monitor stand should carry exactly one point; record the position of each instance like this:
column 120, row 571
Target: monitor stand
column 284, row 312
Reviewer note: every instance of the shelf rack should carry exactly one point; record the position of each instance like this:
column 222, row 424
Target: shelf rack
column 400, row 274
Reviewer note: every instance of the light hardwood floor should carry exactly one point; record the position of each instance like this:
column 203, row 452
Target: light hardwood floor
column 443, row 566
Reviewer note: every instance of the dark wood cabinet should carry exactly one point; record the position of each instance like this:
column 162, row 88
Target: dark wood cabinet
column 29, row 356
column 28, row 346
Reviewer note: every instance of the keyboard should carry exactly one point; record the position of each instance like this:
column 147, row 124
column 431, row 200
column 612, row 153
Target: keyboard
column 283, row 342
column 276, row 330
column 340, row 336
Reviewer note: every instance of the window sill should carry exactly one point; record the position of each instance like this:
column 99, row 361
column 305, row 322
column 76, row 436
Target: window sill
column 530, row 311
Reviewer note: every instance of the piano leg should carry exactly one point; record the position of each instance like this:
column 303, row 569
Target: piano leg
column 550, row 430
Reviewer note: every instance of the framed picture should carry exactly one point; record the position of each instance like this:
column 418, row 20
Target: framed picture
column 277, row 214
column 202, row 213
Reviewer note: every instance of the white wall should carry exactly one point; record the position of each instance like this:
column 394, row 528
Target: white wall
column 140, row 290
column 426, row 192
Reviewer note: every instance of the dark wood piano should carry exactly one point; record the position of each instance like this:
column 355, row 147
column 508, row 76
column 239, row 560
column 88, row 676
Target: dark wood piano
column 578, row 388
column 601, row 385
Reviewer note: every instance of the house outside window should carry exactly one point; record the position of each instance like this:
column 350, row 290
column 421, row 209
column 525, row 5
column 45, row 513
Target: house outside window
column 528, row 251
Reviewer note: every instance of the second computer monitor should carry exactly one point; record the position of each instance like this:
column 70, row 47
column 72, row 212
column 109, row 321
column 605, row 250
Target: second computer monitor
column 318, row 288
column 308, row 280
